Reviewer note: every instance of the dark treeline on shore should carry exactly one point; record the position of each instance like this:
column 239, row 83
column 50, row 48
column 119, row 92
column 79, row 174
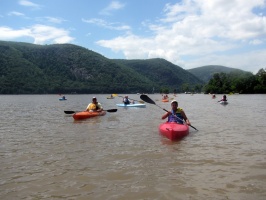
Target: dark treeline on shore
column 245, row 83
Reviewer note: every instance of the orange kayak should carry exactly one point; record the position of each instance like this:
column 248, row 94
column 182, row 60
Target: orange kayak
column 165, row 100
column 87, row 114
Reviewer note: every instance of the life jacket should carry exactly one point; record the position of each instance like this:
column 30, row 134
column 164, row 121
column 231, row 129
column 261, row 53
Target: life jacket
column 93, row 106
column 126, row 101
column 172, row 118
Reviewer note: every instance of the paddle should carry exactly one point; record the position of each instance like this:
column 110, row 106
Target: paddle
column 72, row 112
column 116, row 95
column 147, row 99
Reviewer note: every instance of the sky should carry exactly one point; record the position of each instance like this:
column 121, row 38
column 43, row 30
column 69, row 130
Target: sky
column 188, row 33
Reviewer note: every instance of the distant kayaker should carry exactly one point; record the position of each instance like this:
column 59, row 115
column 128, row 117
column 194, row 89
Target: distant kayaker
column 176, row 114
column 94, row 106
column 165, row 96
column 224, row 98
column 126, row 100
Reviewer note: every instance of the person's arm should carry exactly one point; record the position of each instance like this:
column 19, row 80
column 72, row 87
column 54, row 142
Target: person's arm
column 166, row 115
column 185, row 117
column 100, row 108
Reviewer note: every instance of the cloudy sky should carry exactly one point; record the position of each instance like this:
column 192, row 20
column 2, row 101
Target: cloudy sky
column 188, row 33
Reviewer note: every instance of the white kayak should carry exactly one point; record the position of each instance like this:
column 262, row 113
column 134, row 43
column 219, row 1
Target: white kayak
column 223, row 102
column 140, row 105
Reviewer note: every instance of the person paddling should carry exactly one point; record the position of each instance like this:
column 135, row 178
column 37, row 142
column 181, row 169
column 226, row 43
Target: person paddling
column 224, row 98
column 127, row 101
column 94, row 106
column 176, row 114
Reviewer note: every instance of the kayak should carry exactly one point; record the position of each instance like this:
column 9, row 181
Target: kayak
column 223, row 102
column 173, row 130
column 140, row 105
column 165, row 100
column 87, row 114
column 62, row 99
column 109, row 97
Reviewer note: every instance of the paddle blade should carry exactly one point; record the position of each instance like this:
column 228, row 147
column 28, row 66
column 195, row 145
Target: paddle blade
column 111, row 110
column 69, row 112
column 147, row 99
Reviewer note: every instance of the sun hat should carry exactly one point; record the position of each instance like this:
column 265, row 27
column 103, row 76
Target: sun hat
column 93, row 97
column 174, row 101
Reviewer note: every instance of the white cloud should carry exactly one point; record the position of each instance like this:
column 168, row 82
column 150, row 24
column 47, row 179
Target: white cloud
column 132, row 46
column 256, row 42
column 41, row 34
column 201, row 30
column 107, row 25
column 29, row 4
column 14, row 13
column 54, row 20
column 114, row 5
column 7, row 33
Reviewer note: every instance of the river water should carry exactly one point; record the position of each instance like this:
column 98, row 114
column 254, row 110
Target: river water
column 45, row 154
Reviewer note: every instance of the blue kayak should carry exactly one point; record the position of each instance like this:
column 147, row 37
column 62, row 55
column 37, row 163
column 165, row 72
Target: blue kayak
column 140, row 105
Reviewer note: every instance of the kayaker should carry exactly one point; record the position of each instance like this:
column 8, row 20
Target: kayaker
column 126, row 100
column 224, row 98
column 94, row 106
column 165, row 96
column 176, row 114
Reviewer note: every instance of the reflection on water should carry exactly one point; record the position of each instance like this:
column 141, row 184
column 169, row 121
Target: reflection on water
column 45, row 154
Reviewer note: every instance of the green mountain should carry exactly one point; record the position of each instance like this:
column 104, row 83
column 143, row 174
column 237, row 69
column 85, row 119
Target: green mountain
column 163, row 73
column 65, row 68
column 205, row 73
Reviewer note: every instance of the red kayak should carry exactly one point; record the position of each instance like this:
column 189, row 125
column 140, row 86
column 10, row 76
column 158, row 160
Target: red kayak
column 87, row 114
column 173, row 130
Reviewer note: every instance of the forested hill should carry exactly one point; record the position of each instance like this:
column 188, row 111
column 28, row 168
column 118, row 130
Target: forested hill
column 65, row 68
column 205, row 73
column 162, row 72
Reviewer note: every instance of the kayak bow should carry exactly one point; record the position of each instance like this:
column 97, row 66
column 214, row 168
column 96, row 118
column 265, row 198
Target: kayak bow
column 173, row 130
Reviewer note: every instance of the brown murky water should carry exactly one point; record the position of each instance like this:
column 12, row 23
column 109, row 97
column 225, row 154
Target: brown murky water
column 45, row 154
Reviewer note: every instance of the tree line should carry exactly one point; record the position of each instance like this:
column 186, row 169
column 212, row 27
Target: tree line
column 244, row 83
